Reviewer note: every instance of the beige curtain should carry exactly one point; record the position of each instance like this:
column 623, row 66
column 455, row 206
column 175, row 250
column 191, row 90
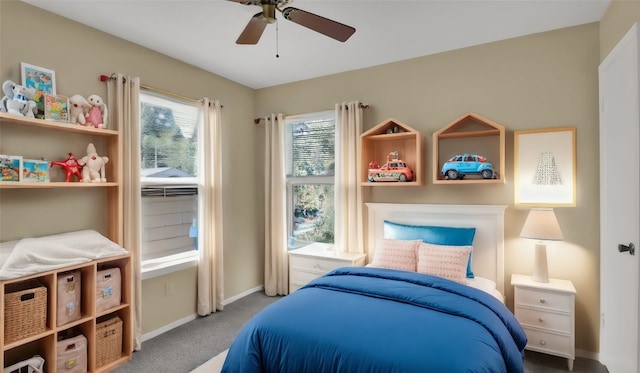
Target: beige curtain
column 210, row 275
column 123, row 98
column 347, row 193
column 276, row 269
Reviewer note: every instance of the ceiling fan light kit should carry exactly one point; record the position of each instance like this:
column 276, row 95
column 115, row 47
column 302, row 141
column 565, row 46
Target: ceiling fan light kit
column 255, row 28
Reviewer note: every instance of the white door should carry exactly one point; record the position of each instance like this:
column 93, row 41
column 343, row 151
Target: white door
column 619, row 206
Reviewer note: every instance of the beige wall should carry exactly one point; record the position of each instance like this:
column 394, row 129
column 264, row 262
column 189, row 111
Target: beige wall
column 537, row 81
column 160, row 294
column 78, row 56
column 619, row 17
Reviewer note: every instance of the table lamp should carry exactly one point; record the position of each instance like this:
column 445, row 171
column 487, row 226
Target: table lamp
column 541, row 225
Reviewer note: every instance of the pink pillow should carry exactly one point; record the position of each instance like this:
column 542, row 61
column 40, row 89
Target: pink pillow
column 445, row 261
column 395, row 254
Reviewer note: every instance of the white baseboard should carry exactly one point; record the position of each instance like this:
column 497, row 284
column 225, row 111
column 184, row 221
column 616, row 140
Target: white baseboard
column 242, row 295
column 184, row 320
column 166, row 328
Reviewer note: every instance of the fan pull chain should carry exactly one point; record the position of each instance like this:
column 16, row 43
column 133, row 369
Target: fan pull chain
column 277, row 46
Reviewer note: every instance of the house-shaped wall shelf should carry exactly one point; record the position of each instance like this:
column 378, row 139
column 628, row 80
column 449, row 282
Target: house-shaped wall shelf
column 385, row 138
column 470, row 134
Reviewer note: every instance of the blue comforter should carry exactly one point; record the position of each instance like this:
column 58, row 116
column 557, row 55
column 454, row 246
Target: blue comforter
column 362, row 319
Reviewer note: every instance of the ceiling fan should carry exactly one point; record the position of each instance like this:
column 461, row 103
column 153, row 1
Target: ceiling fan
column 254, row 29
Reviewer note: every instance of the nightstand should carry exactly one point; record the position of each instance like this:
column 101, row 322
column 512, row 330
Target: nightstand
column 546, row 311
column 311, row 261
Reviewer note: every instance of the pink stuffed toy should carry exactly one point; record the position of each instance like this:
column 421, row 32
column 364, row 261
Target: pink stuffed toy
column 97, row 114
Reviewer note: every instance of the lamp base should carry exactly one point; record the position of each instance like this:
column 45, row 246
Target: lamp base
column 540, row 269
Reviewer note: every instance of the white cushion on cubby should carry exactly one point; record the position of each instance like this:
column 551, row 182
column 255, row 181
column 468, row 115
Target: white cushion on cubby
column 35, row 255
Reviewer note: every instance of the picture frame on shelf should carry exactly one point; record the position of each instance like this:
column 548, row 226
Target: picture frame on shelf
column 10, row 168
column 545, row 167
column 56, row 108
column 40, row 78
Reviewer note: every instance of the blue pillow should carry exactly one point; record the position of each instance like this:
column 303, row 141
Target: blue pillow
column 449, row 236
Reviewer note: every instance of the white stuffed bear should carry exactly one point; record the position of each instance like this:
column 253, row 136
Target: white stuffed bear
column 97, row 114
column 18, row 99
column 78, row 108
column 93, row 166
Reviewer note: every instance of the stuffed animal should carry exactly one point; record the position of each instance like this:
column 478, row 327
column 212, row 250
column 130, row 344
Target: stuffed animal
column 97, row 114
column 18, row 99
column 71, row 166
column 78, row 108
column 93, row 166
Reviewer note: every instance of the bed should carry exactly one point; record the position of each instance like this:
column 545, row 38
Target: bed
column 388, row 319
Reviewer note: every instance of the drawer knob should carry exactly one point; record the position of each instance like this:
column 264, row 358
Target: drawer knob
column 542, row 300
column 543, row 342
column 540, row 319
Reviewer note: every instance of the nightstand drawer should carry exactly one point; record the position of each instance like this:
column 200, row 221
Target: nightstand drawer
column 315, row 260
column 547, row 320
column 301, row 277
column 320, row 266
column 544, row 299
column 560, row 345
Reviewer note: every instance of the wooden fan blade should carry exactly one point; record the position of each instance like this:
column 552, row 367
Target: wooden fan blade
column 325, row 26
column 253, row 31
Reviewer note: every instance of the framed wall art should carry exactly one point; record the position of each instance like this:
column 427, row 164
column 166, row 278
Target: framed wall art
column 56, row 108
column 545, row 167
column 43, row 80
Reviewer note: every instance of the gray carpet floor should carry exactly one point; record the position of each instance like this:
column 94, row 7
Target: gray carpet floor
column 182, row 349
column 188, row 346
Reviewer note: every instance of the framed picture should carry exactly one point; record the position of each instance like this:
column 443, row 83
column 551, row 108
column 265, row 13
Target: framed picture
column 43, row 80
column 545, row 167
column 40, row 78
column 56, row 107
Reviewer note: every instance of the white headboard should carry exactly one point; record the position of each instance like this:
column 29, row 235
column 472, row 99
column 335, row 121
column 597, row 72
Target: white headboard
column 488, row 243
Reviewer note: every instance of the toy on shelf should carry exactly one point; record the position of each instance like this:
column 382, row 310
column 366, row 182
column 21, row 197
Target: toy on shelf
column 97, row 114
column 393, row 170
column 18, row 99
column 93, row 166
column 458, row 166
column 78, row 108
column 71, row 166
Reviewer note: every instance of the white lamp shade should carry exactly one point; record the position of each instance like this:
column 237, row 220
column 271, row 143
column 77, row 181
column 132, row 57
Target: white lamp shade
column 541, row 224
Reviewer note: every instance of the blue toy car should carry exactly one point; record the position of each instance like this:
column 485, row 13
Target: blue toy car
column 461, row 165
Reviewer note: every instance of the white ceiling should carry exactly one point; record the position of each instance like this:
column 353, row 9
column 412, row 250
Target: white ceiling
column 203, row 32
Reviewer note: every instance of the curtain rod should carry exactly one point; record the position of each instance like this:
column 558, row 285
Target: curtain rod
column 162, row 91
column 154, row 89
column 361, row 106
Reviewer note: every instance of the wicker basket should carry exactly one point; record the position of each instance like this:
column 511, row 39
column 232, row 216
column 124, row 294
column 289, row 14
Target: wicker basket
column 108, row 341
column 25, row 310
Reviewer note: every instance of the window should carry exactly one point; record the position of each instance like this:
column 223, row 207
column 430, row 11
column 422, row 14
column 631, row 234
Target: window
column 168, row 178
column 310, row 162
